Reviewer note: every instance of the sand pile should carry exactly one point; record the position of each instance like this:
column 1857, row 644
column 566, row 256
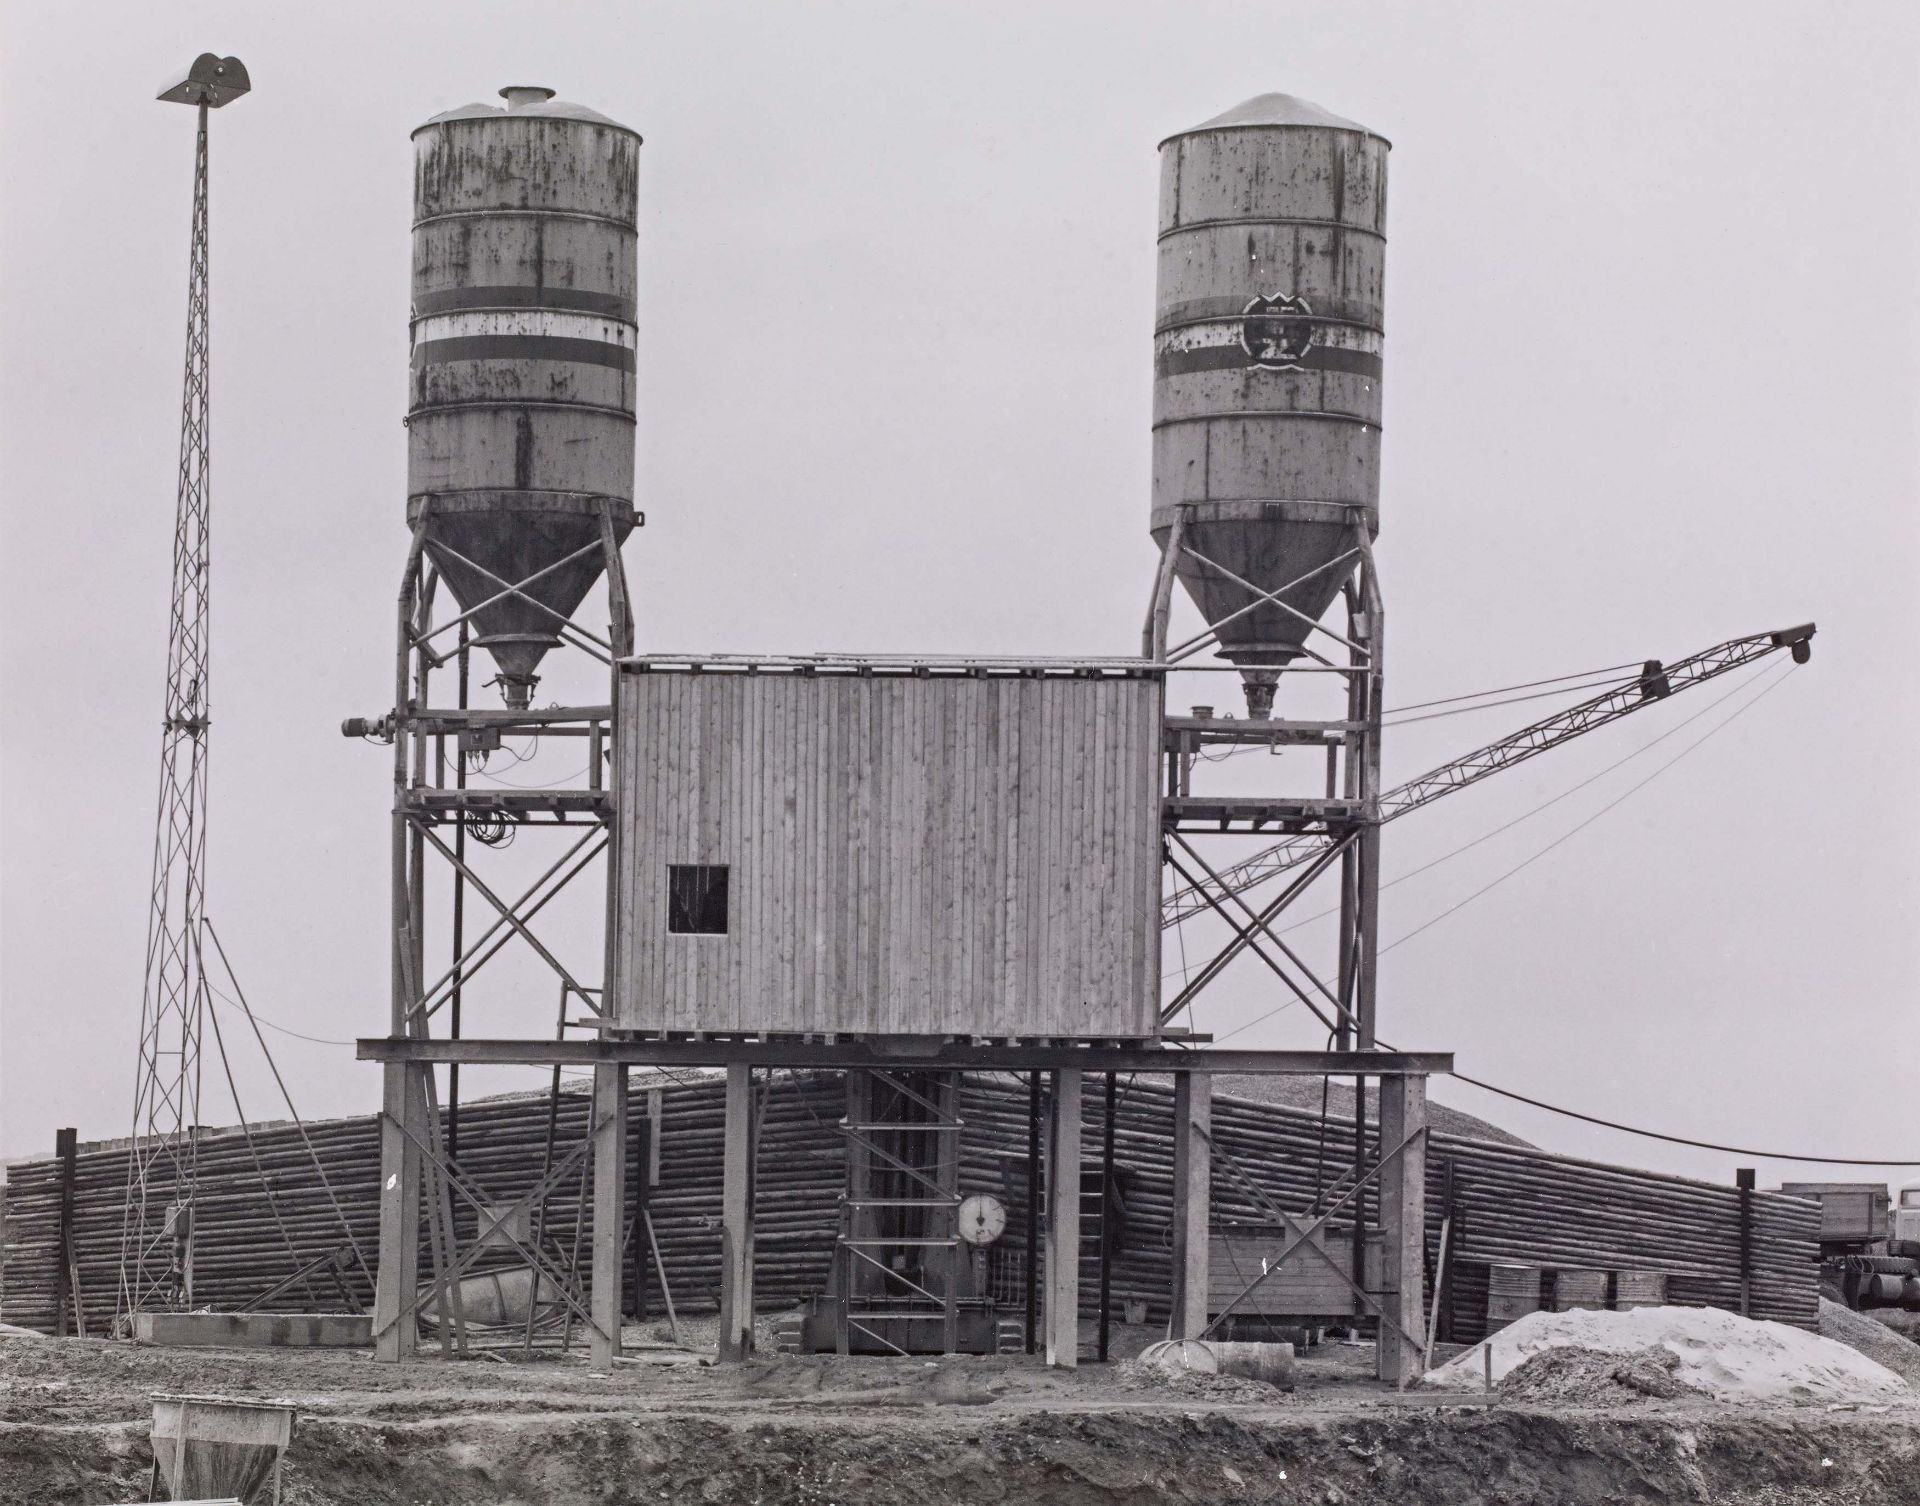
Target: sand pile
column 1717, row 1353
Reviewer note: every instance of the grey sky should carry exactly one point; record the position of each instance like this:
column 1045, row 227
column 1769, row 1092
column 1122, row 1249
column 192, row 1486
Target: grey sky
column 1653, row 363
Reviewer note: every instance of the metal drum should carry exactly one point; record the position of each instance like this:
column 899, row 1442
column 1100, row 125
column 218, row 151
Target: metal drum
column 1513, row 1291
column 521, row 419
column 1267, row 351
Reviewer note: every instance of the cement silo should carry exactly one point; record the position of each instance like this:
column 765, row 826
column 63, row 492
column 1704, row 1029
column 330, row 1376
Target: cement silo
column 1267, row 344
column 521, row 418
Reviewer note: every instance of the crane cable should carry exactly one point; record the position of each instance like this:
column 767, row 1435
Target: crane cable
column 1478, row 695
column 1505, row 826
column 1629, row 1129
column 1766, row 690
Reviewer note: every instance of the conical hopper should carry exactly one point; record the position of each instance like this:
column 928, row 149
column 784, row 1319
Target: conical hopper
column 1271, row 545
column 1267, row 367
column 480, row 550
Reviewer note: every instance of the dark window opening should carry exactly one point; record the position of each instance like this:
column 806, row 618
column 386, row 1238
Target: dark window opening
column 697, row 899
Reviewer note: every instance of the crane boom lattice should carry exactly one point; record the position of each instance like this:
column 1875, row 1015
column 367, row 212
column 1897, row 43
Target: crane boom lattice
column 1655, row 682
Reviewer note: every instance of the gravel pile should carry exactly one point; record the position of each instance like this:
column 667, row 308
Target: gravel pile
column 1571, row 1375
column 1877, row 1341
column 1195, row 1385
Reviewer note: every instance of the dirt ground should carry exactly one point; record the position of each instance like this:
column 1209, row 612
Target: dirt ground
column 667, row 1426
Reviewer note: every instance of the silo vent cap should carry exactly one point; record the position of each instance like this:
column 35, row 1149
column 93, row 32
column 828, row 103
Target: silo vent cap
column 520, row 96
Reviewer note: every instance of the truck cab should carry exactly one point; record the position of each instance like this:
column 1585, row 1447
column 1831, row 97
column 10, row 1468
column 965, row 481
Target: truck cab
column 1903, row 1231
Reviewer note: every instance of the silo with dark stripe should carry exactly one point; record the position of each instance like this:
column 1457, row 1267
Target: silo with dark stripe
column 521, row 420
column 1267, row 363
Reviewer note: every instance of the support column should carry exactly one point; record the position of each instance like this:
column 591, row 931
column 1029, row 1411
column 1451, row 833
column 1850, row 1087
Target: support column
column 66, row 1149
column 736, row 1215
column 1403, row 1226
column 396, row 1337
column 609, row 1208
column 1192, row 1197
column 1063, row 1222
column 1031, row 1212
column 1743, row 1179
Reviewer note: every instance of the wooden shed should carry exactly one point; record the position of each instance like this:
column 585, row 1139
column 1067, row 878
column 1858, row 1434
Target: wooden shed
column 888, row 847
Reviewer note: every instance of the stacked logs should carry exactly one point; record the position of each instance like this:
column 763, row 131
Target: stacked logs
column 1511, row 1204
column 260, row 1220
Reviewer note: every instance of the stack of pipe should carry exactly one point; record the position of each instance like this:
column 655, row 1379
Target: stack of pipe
column 1515, row 1205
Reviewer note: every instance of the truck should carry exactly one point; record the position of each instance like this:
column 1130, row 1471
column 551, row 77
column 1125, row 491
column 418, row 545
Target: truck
column 1869, row 1241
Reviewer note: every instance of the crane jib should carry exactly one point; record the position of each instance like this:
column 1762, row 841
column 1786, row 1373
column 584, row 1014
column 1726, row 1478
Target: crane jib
column 1654, row 683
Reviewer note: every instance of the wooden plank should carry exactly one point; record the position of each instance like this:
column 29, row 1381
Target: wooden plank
column 1403, row 1222
column 736, row 1217
column 609, row 1209
column 1062, row 1317
column 1192, row 1196
column 66, row 1144
column 399, row 1269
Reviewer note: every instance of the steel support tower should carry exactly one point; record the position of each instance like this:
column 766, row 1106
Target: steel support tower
column 156, row 1242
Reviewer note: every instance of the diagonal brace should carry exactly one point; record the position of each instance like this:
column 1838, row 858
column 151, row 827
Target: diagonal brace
column 1304, row 1237
column 507, row 915
column 460, row 973
column 1253, row 946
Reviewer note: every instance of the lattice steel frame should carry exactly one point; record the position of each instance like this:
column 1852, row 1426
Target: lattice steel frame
column 156, row 1254
column 421, row 1177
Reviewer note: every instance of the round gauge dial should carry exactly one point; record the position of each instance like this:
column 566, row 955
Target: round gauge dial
column 983, row 1219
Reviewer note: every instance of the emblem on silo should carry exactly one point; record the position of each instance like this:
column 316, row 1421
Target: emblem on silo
column 1276, row 332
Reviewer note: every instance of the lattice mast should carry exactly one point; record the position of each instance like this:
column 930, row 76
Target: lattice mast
column 156, row 1248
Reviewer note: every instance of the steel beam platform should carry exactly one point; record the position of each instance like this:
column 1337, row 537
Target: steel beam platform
column 950, row 1057
column 1259, row 813
column 1184, row 734
column 433, row 803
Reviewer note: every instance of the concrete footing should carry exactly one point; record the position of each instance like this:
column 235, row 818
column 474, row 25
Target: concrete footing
column 255, row 1330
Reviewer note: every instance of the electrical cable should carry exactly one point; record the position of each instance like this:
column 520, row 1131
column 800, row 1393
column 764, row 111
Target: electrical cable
column 567, row 780
column 232, row 1003
column 1647, row 1134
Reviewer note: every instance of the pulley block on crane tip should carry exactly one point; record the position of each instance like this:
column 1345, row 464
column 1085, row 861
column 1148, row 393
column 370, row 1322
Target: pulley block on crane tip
column 1798, row 640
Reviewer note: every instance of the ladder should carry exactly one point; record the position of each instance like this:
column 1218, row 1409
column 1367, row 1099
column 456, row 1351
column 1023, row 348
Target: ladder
column 898, row 1257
